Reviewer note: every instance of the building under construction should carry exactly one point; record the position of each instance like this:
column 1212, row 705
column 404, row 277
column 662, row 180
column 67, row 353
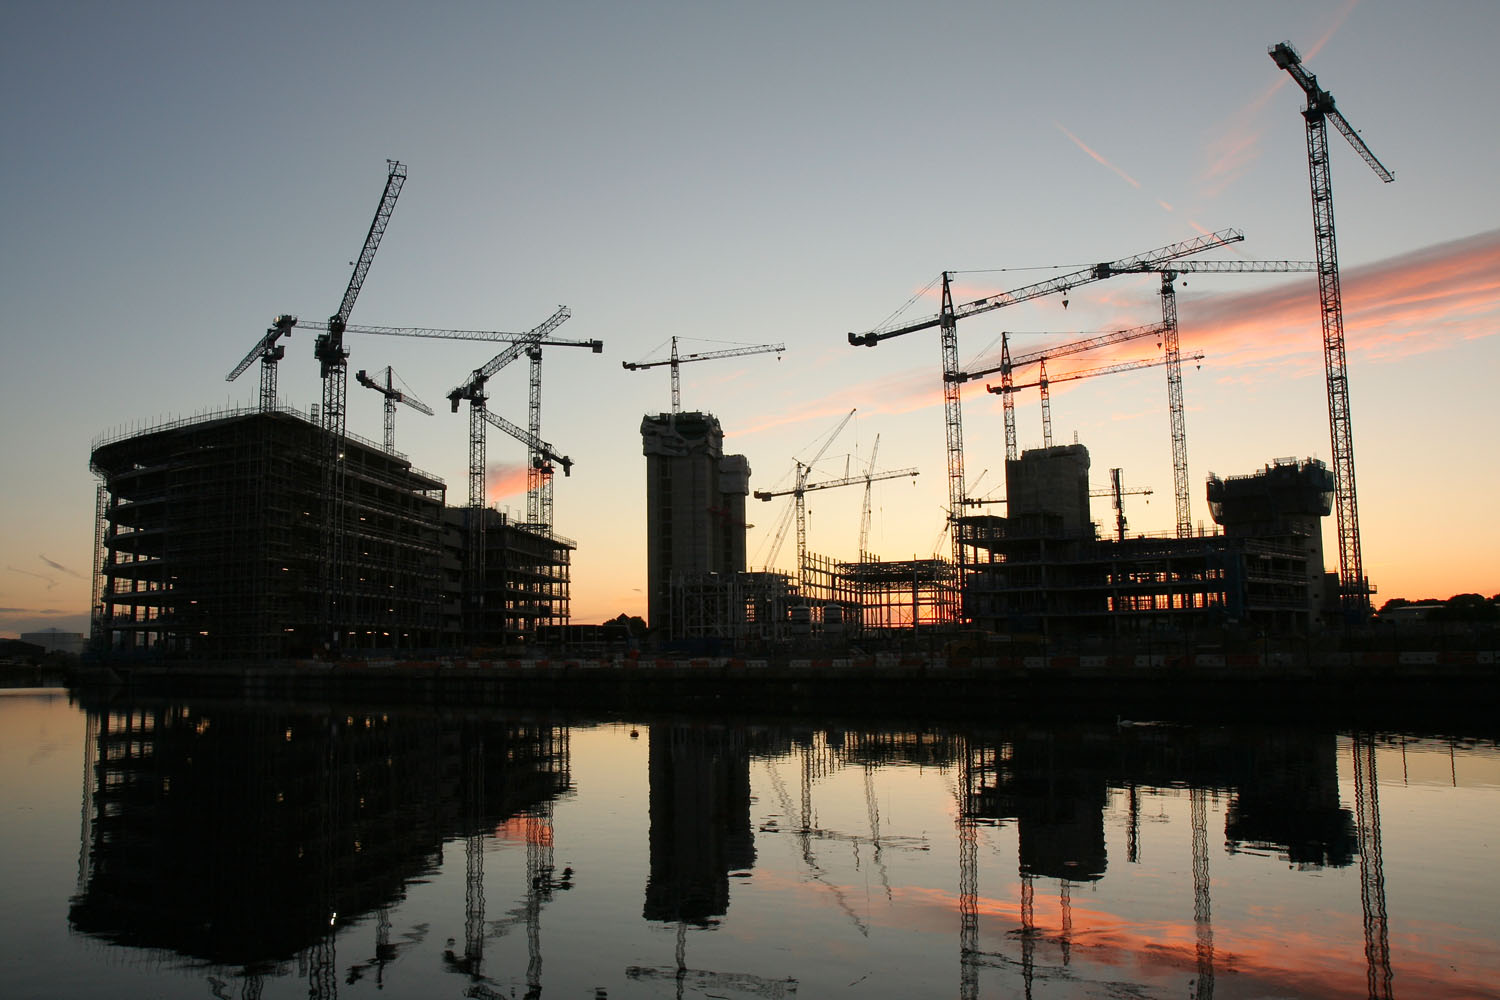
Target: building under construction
column 874, row 596
column 698, row 585
column 1044, row 569
column 695, row 510
column 210, row 542
column 526, row 574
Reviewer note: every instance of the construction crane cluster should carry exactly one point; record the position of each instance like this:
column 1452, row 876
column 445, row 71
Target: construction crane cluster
column 1169, row 263
column 799, row 491
column 332, row 357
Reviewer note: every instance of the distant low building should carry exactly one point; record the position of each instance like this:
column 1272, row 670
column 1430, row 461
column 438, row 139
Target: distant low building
column 54, row 641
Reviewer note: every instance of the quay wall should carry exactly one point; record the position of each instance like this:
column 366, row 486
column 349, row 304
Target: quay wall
column 1349, row 688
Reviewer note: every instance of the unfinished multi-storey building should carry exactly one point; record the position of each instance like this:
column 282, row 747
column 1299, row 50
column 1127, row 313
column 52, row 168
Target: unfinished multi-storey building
column 695, row 507
column 526, row 575
column 210, row 540
column 1044, row 568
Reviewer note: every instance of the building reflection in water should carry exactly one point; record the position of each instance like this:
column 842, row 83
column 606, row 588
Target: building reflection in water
column 244, row 838
column 701, row 835
column 1054, row 785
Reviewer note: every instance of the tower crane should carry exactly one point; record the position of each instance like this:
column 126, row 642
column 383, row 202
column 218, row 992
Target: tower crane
column 1169, row 271
column 1008, row 365
column 802, row 487
column 1043, row 383
column 269, row 352
column 1118, row 492
column 332, row 358
column 542, row 453
column 801, row 477
column 392, row 397
column 677, row 360
column 1354, row 589
column 1175, row 409
column 798, row 495
column 864, row 516
column 947, row 322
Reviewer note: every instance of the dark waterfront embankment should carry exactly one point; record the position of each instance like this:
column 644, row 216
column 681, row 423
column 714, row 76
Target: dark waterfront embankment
column 1348, row 689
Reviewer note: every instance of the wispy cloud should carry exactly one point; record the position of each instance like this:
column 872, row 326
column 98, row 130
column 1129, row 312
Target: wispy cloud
column 1237, row 142
column 1417, row 303
column 59, row 567
column 50, row 581
column 1427, row 300
column 1097, row 157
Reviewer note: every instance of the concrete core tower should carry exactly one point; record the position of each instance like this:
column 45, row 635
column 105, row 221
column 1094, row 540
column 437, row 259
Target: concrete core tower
column 695, row 504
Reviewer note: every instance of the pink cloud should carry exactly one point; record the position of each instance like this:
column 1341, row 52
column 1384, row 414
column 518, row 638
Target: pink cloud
column 1419, row 302
column 1098, row 158
column 504, row 479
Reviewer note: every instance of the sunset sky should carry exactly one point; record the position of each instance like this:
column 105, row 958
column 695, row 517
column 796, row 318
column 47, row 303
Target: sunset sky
column 179, row 173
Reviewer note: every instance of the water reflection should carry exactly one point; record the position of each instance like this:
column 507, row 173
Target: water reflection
column 244, row 839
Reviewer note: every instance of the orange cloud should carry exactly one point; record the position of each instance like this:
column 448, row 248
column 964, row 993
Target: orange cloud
column 1416, row 303
column 504, row 479
column 1427, row 300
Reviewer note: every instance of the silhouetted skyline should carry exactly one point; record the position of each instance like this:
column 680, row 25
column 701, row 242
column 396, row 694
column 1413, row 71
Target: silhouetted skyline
column 179, row 175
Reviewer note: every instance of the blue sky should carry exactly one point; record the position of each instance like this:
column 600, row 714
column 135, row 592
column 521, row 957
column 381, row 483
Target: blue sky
column 177, row 174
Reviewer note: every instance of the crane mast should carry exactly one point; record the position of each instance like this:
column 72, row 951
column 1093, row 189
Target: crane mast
column 392, row 397
column 540, row 456
column 1176, row 415
column 864, row 516
column 947, row 323
column 953, row 424
column 1169, row 271
column 269, row 352
column 332, row 358
column 1354, row 589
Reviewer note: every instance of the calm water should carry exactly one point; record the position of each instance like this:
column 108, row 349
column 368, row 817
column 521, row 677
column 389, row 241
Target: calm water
column 210, row 849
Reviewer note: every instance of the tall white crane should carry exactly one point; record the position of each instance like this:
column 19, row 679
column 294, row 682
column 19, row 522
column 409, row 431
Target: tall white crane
column 864, row 516
column 1354, row 589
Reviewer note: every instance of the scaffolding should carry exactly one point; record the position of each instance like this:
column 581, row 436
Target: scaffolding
column 208, row 541
column 886, row 596
column 526, row 579
column 1031, row 575
column 753, row 607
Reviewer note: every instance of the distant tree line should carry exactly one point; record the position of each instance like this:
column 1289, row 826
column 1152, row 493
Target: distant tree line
column 1458, row 608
